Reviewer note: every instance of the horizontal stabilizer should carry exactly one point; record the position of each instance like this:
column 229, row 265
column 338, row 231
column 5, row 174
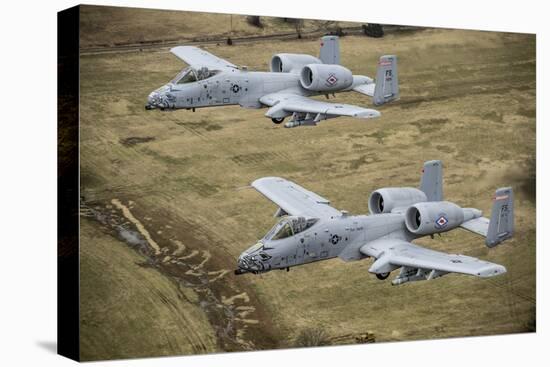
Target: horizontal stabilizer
column 478, row 226
column 367, row 89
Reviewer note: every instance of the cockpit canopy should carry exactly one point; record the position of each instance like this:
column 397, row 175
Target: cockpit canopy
column 289, row 226
column 190, row 75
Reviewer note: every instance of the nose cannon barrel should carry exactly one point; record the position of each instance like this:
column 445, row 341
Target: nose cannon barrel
column 160, row 98
column 248, row 263
column 153, row 101
column 242, row 265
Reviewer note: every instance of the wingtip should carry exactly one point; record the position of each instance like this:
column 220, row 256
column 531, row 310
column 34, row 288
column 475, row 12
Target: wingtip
column 181, row 47
column 492, row 270
column 369, row 114
column 263, row 179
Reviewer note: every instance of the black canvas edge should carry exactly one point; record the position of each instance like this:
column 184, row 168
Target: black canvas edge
column 68, row 305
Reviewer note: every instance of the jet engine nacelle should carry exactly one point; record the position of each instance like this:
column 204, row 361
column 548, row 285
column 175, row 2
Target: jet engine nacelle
column 386, row 199
column 286, row 63
column 435, row 217
column 325, row 77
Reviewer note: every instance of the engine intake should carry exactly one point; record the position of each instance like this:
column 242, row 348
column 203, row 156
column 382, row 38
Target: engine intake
column 286, row 63
column 386, row 199
column 325, row 78
column 435, row 217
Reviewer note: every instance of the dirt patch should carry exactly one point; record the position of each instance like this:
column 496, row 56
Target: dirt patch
column 364, row 159
column 494, row 116
column 379, row 136
column 164, row 158
column 527, row 112
column 251, row 159
column 134, row 140
column 430, row 125
column 444, row 148
column 196, row 184
column 523, row 179
column 201, row 125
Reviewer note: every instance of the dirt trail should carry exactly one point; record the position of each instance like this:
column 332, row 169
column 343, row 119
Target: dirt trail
column 230, row 310
column 222, row 38
column 128, row 215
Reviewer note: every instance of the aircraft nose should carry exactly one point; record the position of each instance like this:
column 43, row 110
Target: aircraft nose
column 153, row 100
column 245, row 262
column 159, row 98
column 248, row 263
column 243, row 265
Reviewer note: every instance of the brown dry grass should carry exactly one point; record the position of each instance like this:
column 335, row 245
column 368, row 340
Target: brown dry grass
column 127, row 308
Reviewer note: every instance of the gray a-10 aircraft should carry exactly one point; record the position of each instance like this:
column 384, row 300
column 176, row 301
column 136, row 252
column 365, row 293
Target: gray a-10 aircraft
column 312, row 230
column 211, row 81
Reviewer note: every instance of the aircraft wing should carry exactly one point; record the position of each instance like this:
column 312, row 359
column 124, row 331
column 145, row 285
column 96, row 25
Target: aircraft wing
column 197, row 58
column 290, row 103
column 419, row 263
column 294, row 199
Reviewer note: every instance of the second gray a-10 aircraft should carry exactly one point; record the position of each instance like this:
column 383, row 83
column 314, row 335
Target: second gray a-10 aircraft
column 312, row 230
column 212, row 81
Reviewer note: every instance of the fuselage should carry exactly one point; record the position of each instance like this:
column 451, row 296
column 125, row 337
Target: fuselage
column 228, row 87
column 328, row 238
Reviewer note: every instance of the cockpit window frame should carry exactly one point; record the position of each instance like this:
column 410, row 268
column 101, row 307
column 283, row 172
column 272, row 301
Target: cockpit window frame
column 186, row 74
column 293, row 222
column 201, row 74
column 284, row 231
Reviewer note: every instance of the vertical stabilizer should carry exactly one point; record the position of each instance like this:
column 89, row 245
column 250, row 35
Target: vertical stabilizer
column 431, row 182
column 330, row 50
column 501, row 225
column 386, row 87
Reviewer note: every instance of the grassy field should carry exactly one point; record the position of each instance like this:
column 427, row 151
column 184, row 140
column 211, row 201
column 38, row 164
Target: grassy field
column 127, row 308
column 176, row 179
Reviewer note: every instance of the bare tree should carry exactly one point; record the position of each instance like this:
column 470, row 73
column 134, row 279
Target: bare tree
column 298, row 24
column 255, row 21
column 312, row 338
